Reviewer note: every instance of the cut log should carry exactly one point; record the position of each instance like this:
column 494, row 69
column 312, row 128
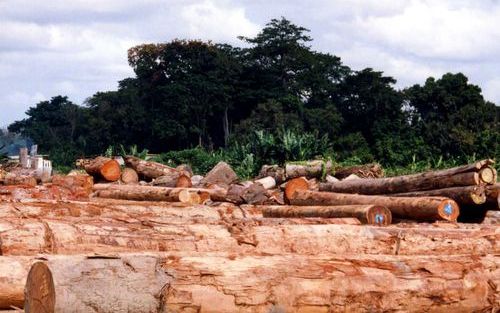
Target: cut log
column 299, row 183
column 492, row 218
column 488, row 175
column 19, row 179
column 493, row 197
column 255, row 236
column 367, row 214
column 247, row 192
column 418, row 208
column 408, row 183
column 274, row 171
column 308, row 169
column 242, row 283
column 222, row 174
column 184, row 181
column 89, row 284
column 373, row 170
column 13, row 271
column 328, row 284
column 169, row 180
column 80, row 186
column 129, row 176
column 148, row 169
column 105, row 168
column 469, row 195
column 149, row 193
column 267, row 182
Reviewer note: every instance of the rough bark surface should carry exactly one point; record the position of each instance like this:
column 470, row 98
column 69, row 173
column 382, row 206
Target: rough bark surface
column 309, row 169
column 276, row 172
column 79, row 185
column 373, row 170
column 13, row 179
column 148, row 169
column 13, row 272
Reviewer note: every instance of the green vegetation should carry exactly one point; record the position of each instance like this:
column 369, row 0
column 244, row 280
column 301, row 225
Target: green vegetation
column 274, row 100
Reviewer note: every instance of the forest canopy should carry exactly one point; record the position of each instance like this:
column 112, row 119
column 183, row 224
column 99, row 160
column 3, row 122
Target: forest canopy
column 190, row 93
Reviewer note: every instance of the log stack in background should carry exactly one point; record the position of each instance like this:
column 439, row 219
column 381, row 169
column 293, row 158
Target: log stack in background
column 158, row 239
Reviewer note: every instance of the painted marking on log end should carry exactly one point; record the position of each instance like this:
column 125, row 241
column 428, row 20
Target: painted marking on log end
column 448, row 209
column 379, row 219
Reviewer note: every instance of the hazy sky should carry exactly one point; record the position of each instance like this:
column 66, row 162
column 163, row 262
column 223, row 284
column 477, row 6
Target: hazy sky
column 78, row 47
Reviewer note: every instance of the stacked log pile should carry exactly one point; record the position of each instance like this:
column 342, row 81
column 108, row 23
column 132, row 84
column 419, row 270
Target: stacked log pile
column 147, row 237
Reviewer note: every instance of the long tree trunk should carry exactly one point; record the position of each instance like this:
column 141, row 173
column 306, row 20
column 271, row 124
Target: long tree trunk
column 149, row 193
column 418, row 208
column 148, row 169
column 309, row 169
column 289, row 283
column 258, row 236
column 459, row 176
column 367, row 214
column 468, row 195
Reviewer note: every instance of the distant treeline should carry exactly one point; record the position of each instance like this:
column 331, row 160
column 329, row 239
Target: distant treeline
column 189, row 93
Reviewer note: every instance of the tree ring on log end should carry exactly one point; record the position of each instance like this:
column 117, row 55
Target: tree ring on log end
column 39, row 291
column 292, row 185
column 448, row 210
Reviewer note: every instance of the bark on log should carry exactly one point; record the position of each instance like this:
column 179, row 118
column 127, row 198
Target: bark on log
column 493, row 197
column 459, row 176
column 149, row 193
column 89, row 284
column 308, row 169
column 367, row 214
column 148, row 169
column 129, row 176
column 373, row 170
column 418, row 208
column 276, row 172
column 102, row 167
column 468, row 195
column 174, row 179
column 252, row 236
column 221, row 174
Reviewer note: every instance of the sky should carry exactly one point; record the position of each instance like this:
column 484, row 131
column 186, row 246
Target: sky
column 76, row 48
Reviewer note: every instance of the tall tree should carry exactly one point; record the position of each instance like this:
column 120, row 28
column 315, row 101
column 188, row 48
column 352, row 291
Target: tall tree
column 453, row 117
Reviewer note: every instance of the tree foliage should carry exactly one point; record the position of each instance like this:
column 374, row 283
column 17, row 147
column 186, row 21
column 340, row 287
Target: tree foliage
column 275, row 99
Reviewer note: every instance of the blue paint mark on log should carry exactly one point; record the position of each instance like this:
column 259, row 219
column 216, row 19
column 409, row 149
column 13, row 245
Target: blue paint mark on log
column 448, row 209
column 379, row 219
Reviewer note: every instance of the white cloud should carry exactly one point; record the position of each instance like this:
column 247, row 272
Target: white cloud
column 212, row 20
column 437, row 29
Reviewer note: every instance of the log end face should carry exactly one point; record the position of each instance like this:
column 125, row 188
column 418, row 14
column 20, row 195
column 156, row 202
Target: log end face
column 39, row 291
column 111, row 170
column 379, row 215
column 184, row 181
column 448, row 210
column 292, row 185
